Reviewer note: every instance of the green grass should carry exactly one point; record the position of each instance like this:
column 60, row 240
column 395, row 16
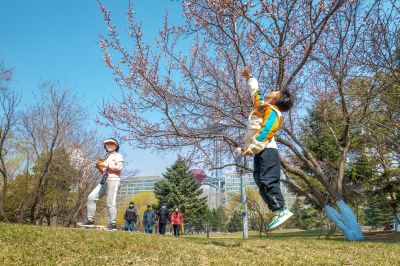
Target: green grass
column 34, row 245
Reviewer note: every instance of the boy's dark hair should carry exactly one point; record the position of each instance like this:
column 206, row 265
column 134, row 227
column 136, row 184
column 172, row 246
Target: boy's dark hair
column 285, row 102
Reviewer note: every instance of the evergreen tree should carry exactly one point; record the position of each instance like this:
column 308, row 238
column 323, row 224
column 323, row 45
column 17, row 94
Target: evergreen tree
column 235, row 223
column 305, row 216
column 180, row 190
column 376, row 216
column 219, row 219
column 214, row 219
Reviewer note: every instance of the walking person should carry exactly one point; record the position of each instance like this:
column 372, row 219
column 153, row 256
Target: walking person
column 163, row 217
column 148, row 220
column 130, row 217
column 177, row 221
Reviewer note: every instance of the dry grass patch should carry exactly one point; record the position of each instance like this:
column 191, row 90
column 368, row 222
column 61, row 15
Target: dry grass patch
column 33, row 245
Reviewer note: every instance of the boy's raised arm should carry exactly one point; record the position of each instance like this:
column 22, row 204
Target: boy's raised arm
column 253, row 88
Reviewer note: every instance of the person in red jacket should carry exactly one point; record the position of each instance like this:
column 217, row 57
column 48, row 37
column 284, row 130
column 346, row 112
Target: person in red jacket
column 177, row 221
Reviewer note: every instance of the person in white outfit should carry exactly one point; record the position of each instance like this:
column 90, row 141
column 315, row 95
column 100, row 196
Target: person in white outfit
column 110, row 167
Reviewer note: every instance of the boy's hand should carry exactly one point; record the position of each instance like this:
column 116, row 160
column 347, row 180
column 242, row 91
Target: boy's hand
column 246, row 73
column 247, row 152
column 272, row 97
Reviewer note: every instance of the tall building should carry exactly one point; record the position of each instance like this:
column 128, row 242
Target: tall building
column 232, row 182
column 218, row 182
column 218, row 187
column 134, row 185
column 215, row 196
column 232, row 185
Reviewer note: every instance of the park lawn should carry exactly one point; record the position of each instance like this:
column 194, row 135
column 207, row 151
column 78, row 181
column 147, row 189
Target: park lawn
column 34, row 245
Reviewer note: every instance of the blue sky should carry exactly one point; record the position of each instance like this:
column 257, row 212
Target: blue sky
column 57, row 40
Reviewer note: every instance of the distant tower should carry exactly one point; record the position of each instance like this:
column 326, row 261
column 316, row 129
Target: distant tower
column 218, row 179
column 217, row 159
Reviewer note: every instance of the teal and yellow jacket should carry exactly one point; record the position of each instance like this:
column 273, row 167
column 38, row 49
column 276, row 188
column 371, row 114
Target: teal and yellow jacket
column 264, row 121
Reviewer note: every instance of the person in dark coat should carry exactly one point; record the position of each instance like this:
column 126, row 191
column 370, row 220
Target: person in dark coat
column 163, row 217
column 130, row 217
column 148, row 220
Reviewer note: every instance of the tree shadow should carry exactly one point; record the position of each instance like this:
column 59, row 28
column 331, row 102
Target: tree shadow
column 382, row 236
column 379, row 236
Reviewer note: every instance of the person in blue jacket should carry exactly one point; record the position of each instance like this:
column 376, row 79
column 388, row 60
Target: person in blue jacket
column 148, row 220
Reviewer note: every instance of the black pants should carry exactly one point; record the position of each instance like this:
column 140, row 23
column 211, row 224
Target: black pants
column 177, row 229
column 267, row 173
column 162, row 227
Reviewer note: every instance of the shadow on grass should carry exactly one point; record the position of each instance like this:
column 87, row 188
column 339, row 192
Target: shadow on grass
column 301, row 234
column 225, row 244
column 281, row 235
column 382, row 236
column 217, row 239
column 255, row 235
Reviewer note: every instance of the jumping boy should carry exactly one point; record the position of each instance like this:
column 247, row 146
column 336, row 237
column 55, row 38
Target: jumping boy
column 110, row 167
column 264, row 121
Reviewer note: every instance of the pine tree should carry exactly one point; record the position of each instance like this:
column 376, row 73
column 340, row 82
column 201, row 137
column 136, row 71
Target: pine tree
column 220, row 219
column 235, row 223
column 305, row 216
column 376, row 216
column 180, row 190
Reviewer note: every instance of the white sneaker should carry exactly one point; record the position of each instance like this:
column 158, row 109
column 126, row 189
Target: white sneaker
column 280, row 218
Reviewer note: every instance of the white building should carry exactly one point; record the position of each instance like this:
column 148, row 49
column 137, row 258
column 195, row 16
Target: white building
column 134, row 185
column 215, row 197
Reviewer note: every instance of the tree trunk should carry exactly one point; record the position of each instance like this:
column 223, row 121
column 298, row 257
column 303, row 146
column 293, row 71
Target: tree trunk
column 41, row 217
column 48, row 215
column 32, row 216
column 3, row 195
column 397, row 222
column 345, row 220
column 2, row 213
